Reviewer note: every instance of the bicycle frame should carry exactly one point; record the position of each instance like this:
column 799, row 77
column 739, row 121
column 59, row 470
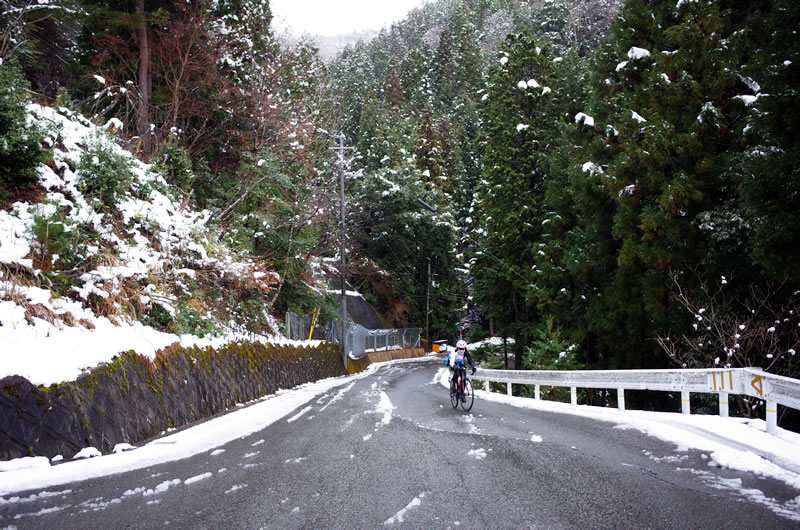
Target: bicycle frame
column 458, row 389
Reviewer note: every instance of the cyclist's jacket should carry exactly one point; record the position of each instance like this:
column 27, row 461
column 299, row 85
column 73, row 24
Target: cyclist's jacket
column 457, row 358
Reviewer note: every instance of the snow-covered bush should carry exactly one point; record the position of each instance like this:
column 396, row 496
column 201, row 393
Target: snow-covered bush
column 104, row 174
column 62, row 247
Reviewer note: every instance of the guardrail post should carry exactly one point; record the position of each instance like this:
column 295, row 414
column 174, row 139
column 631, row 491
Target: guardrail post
column 685, row 402
column 486, row 386
column 621, row 398
column 772, row 417
column 508, row 391
column 723, row 404
column 573, row 395
column 537, row 394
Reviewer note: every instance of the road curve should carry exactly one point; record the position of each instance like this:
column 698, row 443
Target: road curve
column 388, row 450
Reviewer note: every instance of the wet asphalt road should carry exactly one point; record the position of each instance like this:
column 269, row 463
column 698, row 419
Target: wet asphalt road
column 352, row 462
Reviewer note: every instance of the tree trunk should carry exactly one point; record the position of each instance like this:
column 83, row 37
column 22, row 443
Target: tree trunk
column 143, row 112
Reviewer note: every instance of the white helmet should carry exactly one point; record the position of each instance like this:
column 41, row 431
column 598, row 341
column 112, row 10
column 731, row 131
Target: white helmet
column 461, row 344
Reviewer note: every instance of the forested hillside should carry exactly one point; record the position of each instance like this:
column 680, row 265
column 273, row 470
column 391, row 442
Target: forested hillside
column 204, row 94
column 615, row 184
column 413, row 101
column 612, row 199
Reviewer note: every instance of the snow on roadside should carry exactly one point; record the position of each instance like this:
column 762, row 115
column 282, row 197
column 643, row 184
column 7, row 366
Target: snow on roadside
column 736, row 443
column 37, row 473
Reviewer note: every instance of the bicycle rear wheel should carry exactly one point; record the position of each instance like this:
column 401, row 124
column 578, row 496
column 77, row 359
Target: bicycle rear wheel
column 469, row 396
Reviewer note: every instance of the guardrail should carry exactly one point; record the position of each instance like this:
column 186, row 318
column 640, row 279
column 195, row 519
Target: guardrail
column 753, row 382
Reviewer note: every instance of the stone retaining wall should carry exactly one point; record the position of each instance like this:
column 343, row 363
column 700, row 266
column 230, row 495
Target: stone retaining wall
column 133, row 398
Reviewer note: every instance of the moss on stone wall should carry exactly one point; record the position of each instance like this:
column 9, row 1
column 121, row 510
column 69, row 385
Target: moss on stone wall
column 133, row 398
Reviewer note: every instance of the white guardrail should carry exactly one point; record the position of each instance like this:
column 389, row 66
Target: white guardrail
column 754, row 382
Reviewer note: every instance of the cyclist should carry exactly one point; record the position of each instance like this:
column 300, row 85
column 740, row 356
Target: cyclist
column 456, row 363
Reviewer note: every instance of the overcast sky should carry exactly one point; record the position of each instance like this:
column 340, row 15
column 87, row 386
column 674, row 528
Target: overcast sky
column 338, row 17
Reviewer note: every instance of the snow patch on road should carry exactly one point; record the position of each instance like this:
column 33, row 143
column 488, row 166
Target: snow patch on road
column 470, row 421
column 43, row 511
column 197, row 478
column 35, row 496
column 296, row 416
column 339, row 395
column 96, row 505
column 385, row 407
column 236, row 487
column 161, row 488
column 400, row 516
column 479, row 453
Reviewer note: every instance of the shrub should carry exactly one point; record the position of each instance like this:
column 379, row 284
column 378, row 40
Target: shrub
column 549, row 352
column 103, row 174
column 176, row 166
column 20, row 143
column 157, row 317
column 189, row 321
column 62, row 247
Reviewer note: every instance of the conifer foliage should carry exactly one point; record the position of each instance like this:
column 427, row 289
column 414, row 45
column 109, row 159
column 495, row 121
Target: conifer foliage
column 600, row 173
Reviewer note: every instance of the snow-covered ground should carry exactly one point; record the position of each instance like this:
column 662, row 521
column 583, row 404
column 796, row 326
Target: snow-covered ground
column 49, row 338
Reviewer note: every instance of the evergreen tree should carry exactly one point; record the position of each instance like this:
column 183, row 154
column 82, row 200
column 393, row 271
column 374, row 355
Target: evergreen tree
column 21, row 146
column 771, row 165
column 518, row 122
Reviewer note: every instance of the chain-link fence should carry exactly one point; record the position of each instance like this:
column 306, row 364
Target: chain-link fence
column 361, row 340
column 298, row 327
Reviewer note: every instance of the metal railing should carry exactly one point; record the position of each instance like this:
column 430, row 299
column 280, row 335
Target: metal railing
column 361, row 340
column 753, row 382
column 389, row 339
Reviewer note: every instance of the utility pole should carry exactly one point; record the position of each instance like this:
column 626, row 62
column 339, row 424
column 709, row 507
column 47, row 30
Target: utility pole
column 428, row 306
column 340, row 151
column 428, row 300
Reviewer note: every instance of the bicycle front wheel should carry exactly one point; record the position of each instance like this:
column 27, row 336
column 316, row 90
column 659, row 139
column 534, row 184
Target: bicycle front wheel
column 468, row 397
column 453, row 396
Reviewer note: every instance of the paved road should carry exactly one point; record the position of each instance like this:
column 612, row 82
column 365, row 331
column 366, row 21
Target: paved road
column 352, row 461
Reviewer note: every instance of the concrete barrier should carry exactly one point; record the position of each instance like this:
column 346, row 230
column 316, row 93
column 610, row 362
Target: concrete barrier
column 389, row 355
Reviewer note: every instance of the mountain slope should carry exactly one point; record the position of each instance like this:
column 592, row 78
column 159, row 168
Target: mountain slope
column 110, row 260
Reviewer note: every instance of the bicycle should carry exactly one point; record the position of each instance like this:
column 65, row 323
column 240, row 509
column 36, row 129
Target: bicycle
column 461, row 390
